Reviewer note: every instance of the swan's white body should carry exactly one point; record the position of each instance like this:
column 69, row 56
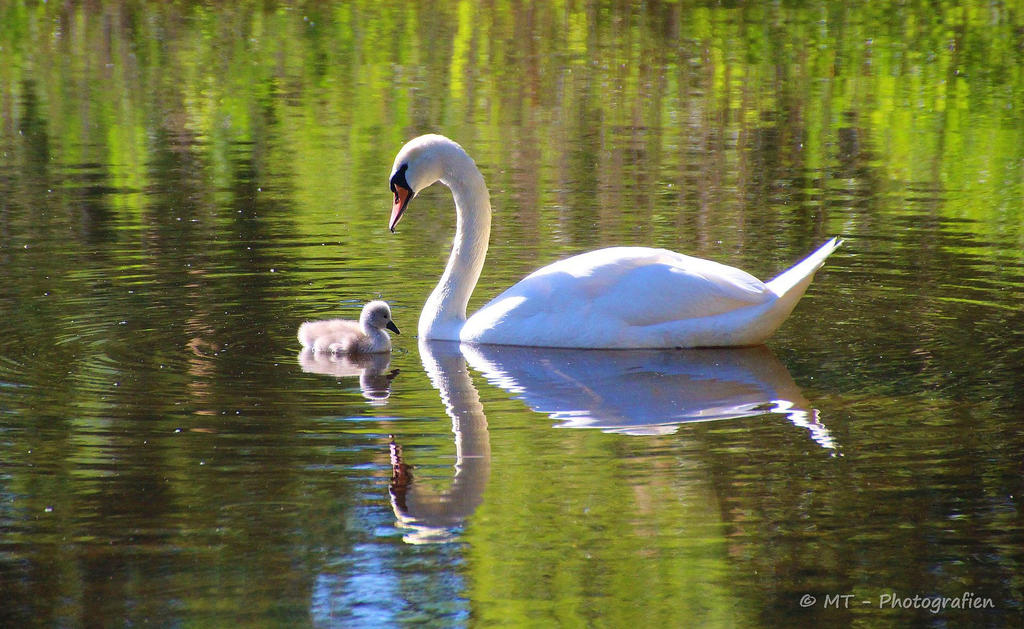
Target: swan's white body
column 619, row 297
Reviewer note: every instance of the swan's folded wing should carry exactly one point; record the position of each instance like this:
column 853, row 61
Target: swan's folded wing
column 644, row 286
column 681, row 288
column 606, row 292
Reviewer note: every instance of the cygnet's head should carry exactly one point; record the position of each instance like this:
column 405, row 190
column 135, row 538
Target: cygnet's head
column 377, row 314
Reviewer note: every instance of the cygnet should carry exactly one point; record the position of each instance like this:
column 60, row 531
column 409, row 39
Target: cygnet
column 341, row 336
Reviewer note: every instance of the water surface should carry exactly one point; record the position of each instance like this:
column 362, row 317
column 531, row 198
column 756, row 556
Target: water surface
column 181, row 185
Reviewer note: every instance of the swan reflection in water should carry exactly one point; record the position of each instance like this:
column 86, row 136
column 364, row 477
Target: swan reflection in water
column 436, row 517
column 647, row 392
column 372, row 370
column 644, row 392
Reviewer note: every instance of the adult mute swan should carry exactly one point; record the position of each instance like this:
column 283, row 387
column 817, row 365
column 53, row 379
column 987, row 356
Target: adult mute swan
column 619, row 297
column 340, row 336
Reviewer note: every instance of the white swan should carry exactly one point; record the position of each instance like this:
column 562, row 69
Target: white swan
column 340, row 336
column 620, row 297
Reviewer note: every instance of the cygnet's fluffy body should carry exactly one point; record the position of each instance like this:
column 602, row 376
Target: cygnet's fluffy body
column 341, row 336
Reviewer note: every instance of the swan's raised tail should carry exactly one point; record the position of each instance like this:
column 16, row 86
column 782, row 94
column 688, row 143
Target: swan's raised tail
column 793, row 283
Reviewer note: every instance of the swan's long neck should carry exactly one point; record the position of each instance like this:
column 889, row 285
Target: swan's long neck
column 445, row 311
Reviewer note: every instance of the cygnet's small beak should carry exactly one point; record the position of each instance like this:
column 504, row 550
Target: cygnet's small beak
column 391, row 326
column 402, row 197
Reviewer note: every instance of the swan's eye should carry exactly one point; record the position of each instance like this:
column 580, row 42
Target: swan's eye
column 398, row 179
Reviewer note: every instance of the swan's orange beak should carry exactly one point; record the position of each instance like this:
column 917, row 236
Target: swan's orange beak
column 402, row 197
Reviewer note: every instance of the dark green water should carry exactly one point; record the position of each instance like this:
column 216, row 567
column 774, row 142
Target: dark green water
column 182, row 184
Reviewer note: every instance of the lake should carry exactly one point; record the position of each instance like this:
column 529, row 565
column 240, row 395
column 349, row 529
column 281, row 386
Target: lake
column 182, row 184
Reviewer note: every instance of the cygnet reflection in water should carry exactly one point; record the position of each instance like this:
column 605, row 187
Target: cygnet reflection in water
column 371, row 369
